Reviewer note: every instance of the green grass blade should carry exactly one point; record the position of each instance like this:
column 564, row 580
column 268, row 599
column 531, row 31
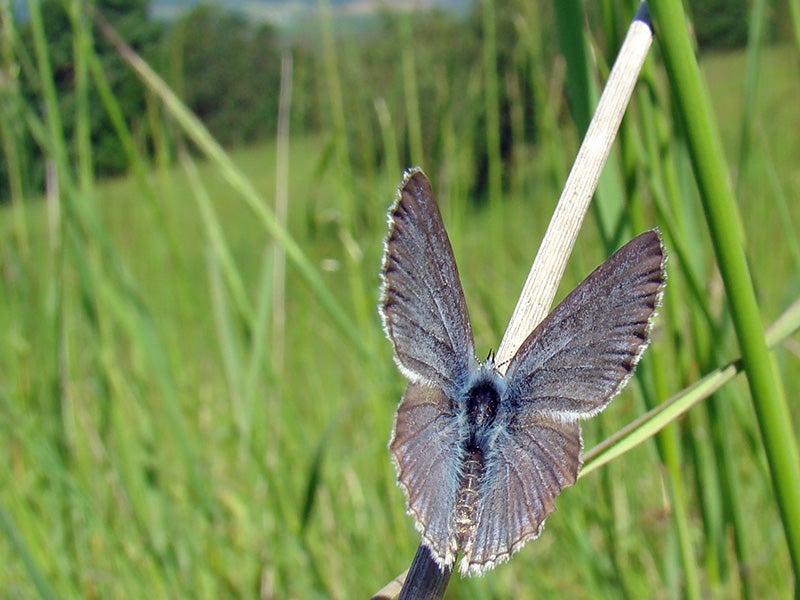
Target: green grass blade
column 23, row 554
column 411, row 92
column 491, row 100
column 757, row 24
column 228, row 347
column 721, row 213
column 216, row 236
column 794, row 12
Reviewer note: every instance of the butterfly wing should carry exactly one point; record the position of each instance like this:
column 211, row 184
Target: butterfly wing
column 583, row 352
column 425, row 317
column 532, row 460
column 571, row 366
column 426, row 453
column 422, row 305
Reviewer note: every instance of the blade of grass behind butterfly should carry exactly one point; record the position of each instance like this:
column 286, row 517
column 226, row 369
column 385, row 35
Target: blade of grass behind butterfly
column 21, row 403
column 546, row 97
column 278, row 270
column 22, row 552
column 261, row 399
column 334, row 91
column 200, row 136
column 671, row 409
column 703, row 351
column 661, row 174
column 351, row 156
column 702, row 354
column 679, row 217
column 791, row 235
column 217, row 240
column 755, row 39
column 583, row 94
column 668, row 442
column 389, row 140
column 12, row 130
column 491, row 108
column 458, row 158
column 229, row 347
column 410, row 91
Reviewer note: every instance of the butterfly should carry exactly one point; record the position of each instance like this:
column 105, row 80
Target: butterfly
column 480, row 454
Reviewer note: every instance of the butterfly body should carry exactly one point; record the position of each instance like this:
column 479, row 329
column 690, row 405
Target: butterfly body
column 477, row 414
column 480, row 454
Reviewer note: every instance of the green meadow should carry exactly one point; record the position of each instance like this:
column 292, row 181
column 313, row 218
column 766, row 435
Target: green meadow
column 196, row 394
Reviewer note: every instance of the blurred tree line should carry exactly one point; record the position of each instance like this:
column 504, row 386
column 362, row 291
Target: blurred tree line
column 227, row 70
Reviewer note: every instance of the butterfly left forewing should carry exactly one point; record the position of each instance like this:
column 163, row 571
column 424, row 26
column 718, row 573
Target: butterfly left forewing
column 422, row 304
column 425, row 317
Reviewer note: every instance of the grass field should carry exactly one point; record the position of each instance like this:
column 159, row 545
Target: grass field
column 178, row 424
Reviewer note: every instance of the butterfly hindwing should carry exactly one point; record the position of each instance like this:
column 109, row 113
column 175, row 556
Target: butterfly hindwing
column 426, row 452
column 532, row 460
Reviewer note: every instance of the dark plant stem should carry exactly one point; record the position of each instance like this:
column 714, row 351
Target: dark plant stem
column 425, row 580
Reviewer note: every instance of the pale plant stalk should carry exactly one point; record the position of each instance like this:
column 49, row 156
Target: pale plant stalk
column 281, row 211
column 551, row 260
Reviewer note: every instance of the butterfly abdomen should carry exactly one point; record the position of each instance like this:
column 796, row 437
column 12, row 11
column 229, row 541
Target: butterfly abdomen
column 468, row 493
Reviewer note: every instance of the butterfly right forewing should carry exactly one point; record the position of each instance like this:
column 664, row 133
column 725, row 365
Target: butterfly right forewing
column 583, row 352
column 570, row 366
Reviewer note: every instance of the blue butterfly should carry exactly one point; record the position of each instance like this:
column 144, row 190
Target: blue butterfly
column 481, row 455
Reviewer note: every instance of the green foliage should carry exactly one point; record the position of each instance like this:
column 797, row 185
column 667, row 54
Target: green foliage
column 720, row 24
column 448, row 77
column 131, row 18
column 227, row 72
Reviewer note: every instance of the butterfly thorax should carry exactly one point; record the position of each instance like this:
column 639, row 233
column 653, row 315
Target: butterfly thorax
column 481, row 409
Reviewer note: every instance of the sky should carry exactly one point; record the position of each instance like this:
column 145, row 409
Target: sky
column 285, row 12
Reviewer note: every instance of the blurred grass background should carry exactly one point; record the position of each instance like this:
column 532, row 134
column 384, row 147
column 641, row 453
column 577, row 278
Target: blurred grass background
column 195, row 397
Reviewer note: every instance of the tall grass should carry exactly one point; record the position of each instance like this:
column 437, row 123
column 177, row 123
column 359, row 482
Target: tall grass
column 157, row 448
